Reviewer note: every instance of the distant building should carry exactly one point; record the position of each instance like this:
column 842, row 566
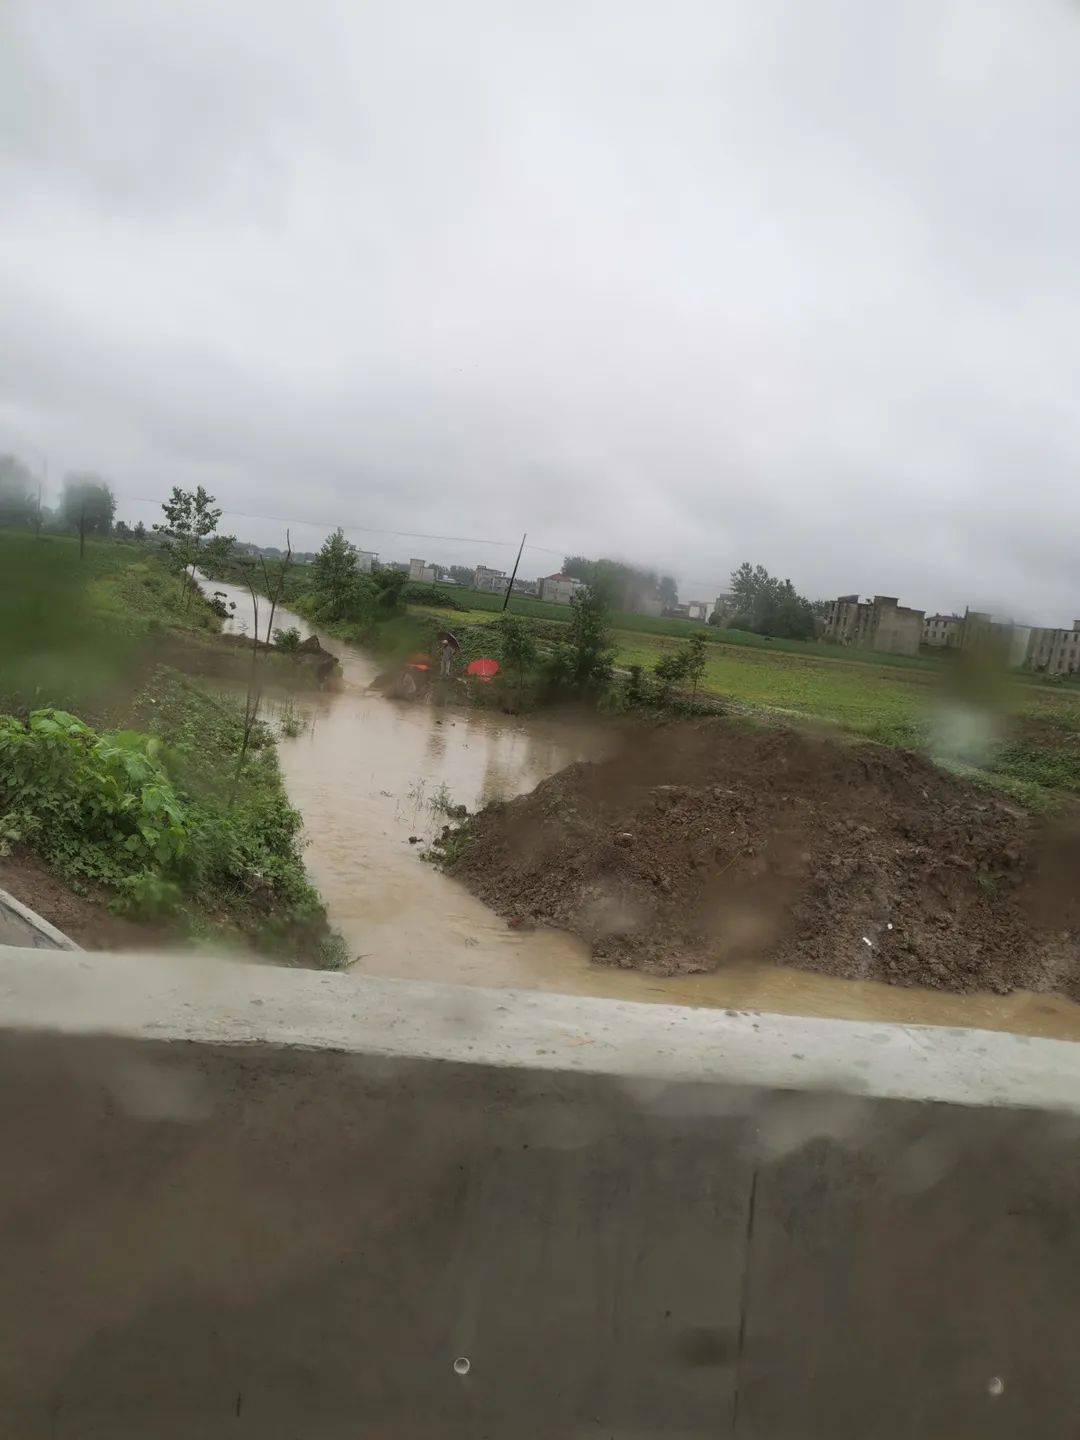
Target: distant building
column 485, row 578
column 559, row 589
column 366, row 560
column 697, row 609
column 944, row 632
column 878, row 624
column 1054, row 652
column 725, row 604
column 525, row 587
column 425, row 574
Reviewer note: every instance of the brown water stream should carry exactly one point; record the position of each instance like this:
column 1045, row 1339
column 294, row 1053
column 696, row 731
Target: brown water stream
column 367, row 773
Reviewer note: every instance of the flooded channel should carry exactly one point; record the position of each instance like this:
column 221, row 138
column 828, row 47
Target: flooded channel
column 371, row 776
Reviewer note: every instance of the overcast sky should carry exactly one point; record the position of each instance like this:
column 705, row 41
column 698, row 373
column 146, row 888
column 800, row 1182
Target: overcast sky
column 686, row 283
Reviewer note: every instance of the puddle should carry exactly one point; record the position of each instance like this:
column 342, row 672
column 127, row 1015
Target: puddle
column 367, row 773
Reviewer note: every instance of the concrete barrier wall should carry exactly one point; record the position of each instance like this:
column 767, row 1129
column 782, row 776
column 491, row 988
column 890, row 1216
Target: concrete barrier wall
column 240, row 1201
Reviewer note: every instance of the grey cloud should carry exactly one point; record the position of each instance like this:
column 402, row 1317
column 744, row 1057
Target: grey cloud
column 689, row 284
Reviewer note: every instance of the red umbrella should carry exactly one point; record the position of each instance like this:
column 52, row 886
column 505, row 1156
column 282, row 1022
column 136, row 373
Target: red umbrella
column 485, row 670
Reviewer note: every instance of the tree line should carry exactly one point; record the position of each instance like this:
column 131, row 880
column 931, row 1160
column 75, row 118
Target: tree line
column 759, row 602
column 87, row 503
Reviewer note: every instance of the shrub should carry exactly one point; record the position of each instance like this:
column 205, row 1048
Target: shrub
column 585, row 661
column 101, row 808
column 516, row 646
column 416, row 594
column 287, row 639
column 686, row 665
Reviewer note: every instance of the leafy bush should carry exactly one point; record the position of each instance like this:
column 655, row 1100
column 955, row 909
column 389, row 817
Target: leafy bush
column 97, row 807
column 517, row 647
column 287, row 639
column 146, row 896
column 686, row 665
column 585, row 662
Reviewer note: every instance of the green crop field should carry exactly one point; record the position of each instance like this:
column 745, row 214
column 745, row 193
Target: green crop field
column 1032, row 732
column 877, row 700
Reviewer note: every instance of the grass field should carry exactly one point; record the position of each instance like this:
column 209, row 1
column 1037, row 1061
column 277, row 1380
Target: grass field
column 883, row 702
column 481, row 605
column 72, row 626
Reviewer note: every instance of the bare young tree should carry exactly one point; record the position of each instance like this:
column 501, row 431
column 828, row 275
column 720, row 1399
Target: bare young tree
column 253, row 697
column 275, row 587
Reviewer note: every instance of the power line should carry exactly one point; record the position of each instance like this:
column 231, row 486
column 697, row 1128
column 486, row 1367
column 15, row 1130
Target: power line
column 366, row 529
column 401, row 534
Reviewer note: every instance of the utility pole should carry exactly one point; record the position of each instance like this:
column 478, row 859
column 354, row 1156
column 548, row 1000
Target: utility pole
column 513, row 577
column 41, row 485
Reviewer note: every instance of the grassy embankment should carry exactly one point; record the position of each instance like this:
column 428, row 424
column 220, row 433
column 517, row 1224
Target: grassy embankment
column 141, row 801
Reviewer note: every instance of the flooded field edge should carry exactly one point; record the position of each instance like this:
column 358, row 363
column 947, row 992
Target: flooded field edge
column 372, row 777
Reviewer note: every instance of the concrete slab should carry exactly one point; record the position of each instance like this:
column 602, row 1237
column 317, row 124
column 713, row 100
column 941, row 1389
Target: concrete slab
column 244, row 1202
column 190, row 998
column 21, row 926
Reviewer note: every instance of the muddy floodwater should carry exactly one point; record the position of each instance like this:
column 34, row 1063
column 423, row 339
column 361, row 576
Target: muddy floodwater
column 370, row 775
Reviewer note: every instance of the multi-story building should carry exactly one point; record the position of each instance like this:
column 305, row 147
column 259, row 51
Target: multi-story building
column 425, row 574
column 366, row 561
column 878, row 624
column 559, row 588
column 944, row 632
column 485, row 578
column 1054, row 652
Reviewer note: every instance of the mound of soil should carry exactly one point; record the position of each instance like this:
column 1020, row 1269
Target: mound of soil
column 702, row 844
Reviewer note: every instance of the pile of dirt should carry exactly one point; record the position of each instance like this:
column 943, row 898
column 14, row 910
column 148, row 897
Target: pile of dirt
column 697, row 845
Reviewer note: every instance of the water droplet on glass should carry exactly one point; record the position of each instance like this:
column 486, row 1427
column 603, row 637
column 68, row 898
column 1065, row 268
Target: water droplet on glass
column 996, row 1385
column 461, row 1365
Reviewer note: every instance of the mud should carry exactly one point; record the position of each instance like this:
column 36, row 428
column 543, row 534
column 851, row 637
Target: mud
column 700, row 847
column 83, row 918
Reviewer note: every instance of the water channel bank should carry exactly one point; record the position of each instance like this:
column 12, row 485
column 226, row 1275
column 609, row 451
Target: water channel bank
column 364, row 773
